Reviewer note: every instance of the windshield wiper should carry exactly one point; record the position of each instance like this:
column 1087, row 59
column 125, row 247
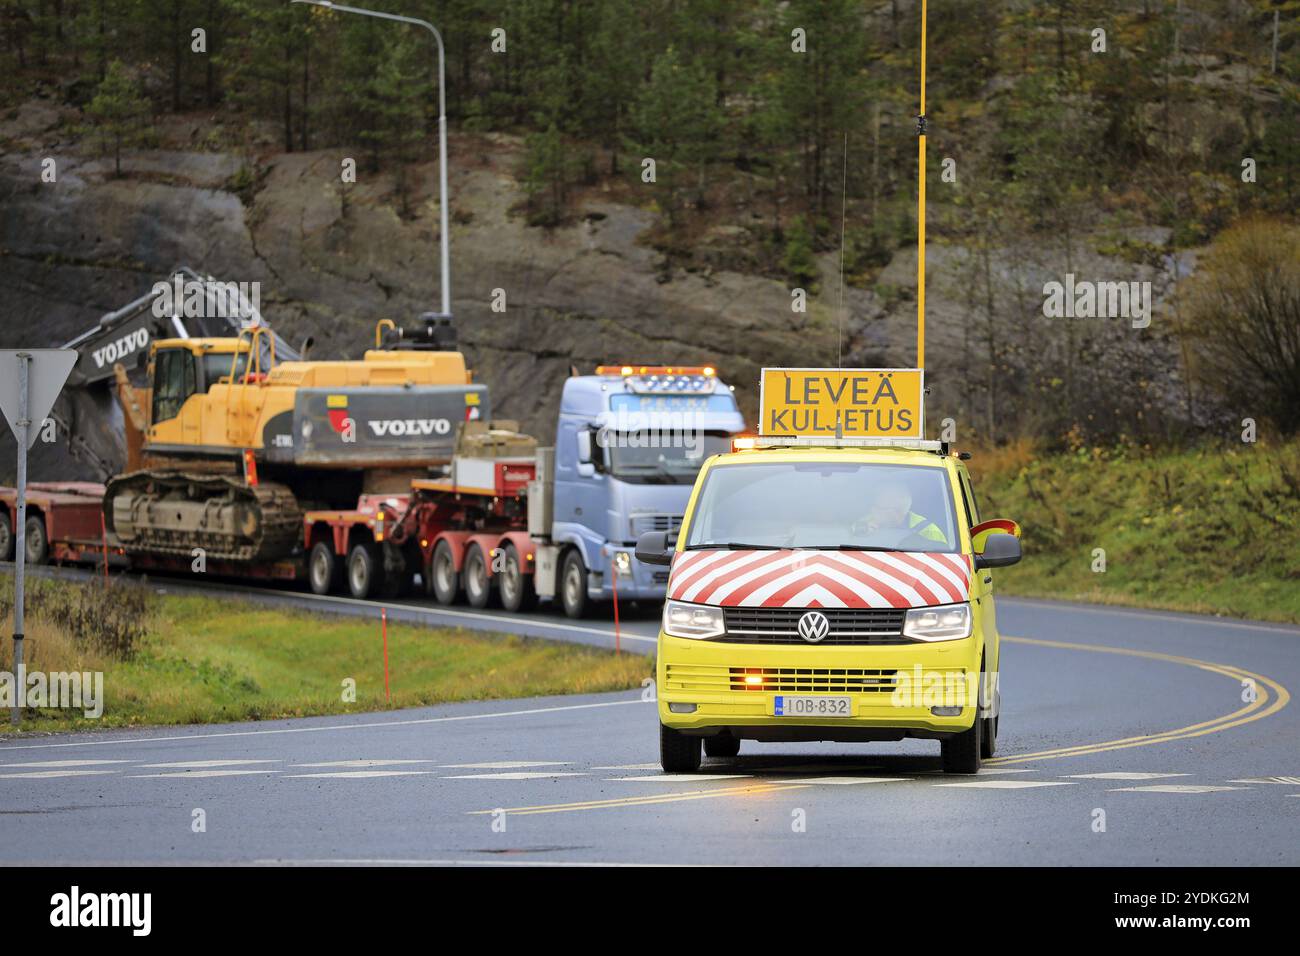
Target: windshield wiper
column 844, row 547
column 736, row 546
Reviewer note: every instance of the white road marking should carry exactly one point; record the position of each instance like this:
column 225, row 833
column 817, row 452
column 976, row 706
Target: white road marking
column 1007, row 784
column 182, row 764
column 47, row 774
column 1288, row 780
column 359, row 774
column 361, row 725
column 1151, row 615
column 1123, row 775
column 846, row 780
column 360, row 763
column 683, row 777
column 62, row 763
column 816, row 768
column 505, row 764
column 199, row 774
column 1175, row 788
column 513, row 775
column 630, row 766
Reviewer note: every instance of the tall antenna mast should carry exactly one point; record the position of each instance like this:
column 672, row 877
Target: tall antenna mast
column 920, row 214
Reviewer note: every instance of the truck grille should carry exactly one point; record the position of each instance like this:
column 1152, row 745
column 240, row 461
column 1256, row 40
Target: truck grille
column 780, row 625
column 642, row 524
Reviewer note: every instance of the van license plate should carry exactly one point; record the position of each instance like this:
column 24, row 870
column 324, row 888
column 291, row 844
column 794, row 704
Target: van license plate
column 784, row 705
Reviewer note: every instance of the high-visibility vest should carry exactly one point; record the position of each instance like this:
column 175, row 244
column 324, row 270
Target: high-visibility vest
column 927, row 528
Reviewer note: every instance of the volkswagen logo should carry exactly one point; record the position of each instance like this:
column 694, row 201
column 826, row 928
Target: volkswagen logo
column 813, row 626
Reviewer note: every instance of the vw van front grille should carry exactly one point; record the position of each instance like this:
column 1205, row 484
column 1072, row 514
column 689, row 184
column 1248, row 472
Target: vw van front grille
column 784, row 680
column 780, row 625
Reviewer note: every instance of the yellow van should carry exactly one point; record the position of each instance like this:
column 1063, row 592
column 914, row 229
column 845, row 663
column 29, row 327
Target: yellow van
column 834, row 590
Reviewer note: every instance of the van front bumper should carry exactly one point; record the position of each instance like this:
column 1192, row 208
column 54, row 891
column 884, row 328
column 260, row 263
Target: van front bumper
column 893, row 689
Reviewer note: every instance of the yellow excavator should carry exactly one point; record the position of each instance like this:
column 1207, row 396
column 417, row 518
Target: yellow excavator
column 227, row 442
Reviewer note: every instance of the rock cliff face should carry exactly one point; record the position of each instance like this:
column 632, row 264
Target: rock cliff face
column 333, row 262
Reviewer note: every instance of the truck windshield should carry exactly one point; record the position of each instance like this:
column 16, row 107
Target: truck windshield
column 825, row 505
column 650, row 457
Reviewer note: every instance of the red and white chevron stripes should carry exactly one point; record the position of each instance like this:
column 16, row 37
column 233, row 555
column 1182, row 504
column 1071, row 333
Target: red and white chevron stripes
column 819, row 578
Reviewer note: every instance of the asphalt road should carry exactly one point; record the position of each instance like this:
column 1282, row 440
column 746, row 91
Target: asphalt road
column 1125, row 739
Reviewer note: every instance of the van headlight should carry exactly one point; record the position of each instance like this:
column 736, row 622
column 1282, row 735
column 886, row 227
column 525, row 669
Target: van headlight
column 948, row 622
column 692, row 620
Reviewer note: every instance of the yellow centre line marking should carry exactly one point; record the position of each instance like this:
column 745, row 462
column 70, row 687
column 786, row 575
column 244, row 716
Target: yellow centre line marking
column 641, row 801
column 1254, row 710
column 1257, row 709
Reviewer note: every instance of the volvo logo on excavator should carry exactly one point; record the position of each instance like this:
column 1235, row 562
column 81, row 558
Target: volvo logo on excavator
column 120, row 348
column 409, row 427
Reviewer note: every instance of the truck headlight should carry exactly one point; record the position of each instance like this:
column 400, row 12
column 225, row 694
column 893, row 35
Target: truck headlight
column 692, row 620
column 622, row 563
column 949, row 622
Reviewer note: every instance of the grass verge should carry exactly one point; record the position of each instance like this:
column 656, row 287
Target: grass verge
column 200, row 660
column 1211, row 530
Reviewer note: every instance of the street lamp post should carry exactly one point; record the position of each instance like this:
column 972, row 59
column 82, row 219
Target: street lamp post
column 442, row 132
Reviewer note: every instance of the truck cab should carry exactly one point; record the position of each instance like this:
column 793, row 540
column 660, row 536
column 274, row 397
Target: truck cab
column 629, row 443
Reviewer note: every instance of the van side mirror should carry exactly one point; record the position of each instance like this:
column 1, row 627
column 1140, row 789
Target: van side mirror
column 584, row 446
column 1000, row 550
column 653, row 548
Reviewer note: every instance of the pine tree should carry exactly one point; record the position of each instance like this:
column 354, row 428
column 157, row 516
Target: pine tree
column 117, row 111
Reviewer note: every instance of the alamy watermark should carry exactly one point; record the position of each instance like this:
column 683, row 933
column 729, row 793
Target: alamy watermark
column 1084, row 299
column 207, row 298
column 65, row 690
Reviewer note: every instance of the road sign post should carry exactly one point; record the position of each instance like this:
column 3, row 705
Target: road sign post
column 26, row 397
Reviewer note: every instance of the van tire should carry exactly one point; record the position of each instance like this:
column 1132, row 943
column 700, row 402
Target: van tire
column 961, row 752
column 989, row 740
column 721, row 745
column 678, row 752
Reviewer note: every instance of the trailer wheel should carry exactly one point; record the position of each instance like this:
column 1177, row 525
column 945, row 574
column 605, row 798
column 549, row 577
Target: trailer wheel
column 37, row 544
column 478, row 586
column 573, row 585
column 442, row 581
column 517, row 591
column 365, row 569
column 323, row 568
column 6, row 537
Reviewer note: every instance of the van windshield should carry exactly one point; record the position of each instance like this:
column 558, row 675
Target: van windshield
column 825, row 505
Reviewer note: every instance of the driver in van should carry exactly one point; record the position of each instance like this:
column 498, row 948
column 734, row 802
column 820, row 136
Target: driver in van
column 890, row 504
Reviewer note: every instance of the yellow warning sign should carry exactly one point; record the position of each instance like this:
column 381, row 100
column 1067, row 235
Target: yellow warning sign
column 853, row 403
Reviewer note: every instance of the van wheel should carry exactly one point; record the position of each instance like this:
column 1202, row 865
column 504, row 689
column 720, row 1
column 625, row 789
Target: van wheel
column 722, row 745
column 517, row 591
column 478, row 586
column 6, row 537
column 678, row 752
column 37, row 544
column 323, row 568
column 365, row 570
column 442, row 579
column 573, row 586
column 989, row 740
column 961, row 752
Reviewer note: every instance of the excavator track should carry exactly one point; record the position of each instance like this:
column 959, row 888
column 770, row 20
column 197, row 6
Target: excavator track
column 174, row 512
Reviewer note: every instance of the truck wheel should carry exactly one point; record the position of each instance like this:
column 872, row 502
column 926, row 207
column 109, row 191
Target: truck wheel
column 37, row 544
column 365, row 568
column 442, row 581
column 6, row 537
column 721, row 745
column 678, row 753
column 517, row 591
column 478, row 586
column 989, row 735
column 323, row 568
column 573, row 586
column 961, row 752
